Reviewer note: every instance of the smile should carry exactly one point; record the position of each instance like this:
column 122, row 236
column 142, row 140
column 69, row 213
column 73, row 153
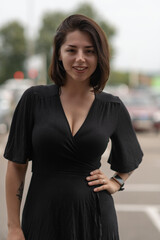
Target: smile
column 80, row 68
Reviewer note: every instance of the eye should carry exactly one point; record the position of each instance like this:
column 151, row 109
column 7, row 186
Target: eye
column 91, row 51
column 70, row 50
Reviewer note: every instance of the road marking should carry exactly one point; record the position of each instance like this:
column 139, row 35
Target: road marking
column 142, row 188
column 154, row 215
column 152, row 211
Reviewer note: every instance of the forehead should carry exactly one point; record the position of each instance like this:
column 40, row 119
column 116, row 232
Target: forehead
column 78, row 38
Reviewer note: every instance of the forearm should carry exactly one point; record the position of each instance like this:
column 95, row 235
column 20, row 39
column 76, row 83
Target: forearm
column 15, row 178
column 125, row 176
column 117, row 181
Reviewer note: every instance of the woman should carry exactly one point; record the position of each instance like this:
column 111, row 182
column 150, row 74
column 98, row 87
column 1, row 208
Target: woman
column 64, row 128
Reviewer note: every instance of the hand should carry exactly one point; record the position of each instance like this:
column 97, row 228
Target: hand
column 15, row 234
column 98, row 177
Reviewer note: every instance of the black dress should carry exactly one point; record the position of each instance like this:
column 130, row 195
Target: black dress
column 60, row 205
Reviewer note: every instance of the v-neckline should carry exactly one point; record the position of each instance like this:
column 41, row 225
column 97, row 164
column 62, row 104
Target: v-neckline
column 83, row 123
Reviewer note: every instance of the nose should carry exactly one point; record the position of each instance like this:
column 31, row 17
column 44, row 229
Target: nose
column 80, row 56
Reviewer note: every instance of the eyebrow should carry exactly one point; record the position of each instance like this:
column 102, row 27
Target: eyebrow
column 76, row 46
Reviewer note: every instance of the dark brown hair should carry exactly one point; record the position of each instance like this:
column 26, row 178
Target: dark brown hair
column 82, row 23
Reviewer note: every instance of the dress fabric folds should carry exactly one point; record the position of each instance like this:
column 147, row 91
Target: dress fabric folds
column 60, row 205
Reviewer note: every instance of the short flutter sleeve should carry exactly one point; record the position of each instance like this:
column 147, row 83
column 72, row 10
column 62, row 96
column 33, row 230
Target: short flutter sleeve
column 19, row 145
column 126, row 153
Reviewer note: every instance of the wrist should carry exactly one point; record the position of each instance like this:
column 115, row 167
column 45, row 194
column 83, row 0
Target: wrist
column 115, row 185
column 16, row 232
column 117, row 179
column 14, row 226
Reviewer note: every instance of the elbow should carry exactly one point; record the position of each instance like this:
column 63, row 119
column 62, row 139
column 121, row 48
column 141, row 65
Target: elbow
column 19, row 169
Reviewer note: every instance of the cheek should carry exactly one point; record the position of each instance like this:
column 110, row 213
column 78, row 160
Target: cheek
column 67, row 63
column 94, row 64
column 66, row 59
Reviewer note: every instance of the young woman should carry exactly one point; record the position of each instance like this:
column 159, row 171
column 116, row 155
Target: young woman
column 64, row 128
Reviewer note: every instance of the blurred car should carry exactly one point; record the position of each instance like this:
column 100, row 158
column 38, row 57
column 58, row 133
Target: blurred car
column 5, row 110
column 144, row 112
column 10, row 93
column 156, row 97
column 17, row 86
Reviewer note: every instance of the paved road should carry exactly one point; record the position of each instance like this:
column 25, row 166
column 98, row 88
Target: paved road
column 138, row 207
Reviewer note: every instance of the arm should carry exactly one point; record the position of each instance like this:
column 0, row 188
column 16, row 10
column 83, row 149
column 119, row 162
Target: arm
column 119, row 181
column 15, row 177
column 99, row 178
column 125, row 176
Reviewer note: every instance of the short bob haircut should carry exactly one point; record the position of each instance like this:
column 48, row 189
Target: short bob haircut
column 82, row 23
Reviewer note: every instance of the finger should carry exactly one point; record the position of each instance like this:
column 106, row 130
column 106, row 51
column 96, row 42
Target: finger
column 95, row 176
column 97, row 171
column 101, row 188
column 97, row 182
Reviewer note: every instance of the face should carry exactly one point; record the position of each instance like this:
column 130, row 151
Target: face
column 78, row 56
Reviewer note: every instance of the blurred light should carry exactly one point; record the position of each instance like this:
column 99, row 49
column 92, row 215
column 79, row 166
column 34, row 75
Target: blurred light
column 156, row 82
column 18, row 75
column 32, row 73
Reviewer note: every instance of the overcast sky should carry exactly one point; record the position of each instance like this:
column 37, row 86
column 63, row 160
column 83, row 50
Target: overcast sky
column 137, row 22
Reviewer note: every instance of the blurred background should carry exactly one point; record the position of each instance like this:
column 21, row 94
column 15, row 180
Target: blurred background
column 27, row 28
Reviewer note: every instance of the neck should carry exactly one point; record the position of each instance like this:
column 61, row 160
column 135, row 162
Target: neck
column 76, row 90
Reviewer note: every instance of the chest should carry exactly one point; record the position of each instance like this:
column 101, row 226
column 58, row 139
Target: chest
column 74, row 119
column 76, row 112
column 79, row 133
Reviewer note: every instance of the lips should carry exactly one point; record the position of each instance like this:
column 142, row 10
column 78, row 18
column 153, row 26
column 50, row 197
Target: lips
column 80, row 69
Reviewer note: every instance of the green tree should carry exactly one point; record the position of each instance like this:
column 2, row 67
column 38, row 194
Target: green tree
column 117, row 77
column 12, row 50
column 50, row 23
column 87, row 10
column 46, row 34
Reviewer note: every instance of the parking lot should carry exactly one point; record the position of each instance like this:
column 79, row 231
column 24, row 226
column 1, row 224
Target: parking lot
column 138, row 207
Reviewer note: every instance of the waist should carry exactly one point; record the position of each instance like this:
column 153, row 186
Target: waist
column 60, row 167
column 62, row 172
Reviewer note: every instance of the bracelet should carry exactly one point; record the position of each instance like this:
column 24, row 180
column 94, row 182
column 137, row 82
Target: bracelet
column 119, row 180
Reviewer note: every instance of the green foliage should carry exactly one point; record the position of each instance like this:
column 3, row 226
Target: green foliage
column 117, row 78
column 47, row 31
column 87, row 10
column 12, row 50
column 44, row 42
